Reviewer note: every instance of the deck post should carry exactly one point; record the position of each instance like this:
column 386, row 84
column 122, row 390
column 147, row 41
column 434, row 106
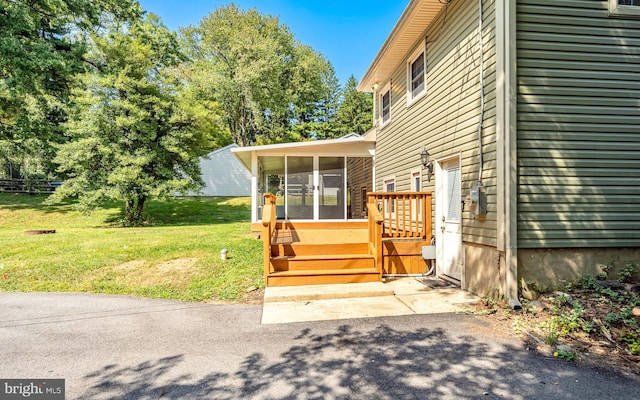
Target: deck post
column 376, row 230
column 426, row 216
column 268, row 229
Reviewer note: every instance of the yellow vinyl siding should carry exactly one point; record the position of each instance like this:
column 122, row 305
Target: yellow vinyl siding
column 578, row 72
column 446, row 119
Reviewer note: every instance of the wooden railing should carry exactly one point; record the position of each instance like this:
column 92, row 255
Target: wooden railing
column 376, row 231
column 404, row 214
column 268, row 230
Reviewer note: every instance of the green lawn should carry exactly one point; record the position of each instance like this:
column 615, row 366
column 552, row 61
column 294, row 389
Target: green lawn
column 176, row 256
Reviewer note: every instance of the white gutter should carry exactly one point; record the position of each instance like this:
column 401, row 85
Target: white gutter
column 353, row 146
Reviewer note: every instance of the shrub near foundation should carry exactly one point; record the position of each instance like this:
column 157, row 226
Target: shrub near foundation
column 594, row 320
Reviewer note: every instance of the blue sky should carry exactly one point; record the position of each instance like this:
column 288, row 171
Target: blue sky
column 348, row 33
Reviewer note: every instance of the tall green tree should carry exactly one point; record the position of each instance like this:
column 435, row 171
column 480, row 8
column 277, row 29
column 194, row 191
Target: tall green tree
column 264, row 80
column 42, row 48
column 133, row 135
column 315, row 120
column 355, row 113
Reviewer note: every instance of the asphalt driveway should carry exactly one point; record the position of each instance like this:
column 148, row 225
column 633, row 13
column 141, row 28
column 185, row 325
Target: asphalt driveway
column 108, row 347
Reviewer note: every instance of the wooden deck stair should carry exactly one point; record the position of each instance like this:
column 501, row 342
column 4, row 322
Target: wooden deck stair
column 311, row 254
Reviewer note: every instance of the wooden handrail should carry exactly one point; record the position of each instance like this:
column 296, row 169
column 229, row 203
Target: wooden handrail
column 397, row 215
column 405, row 214
column 268, row 230
column 269, row 210
column 374, row 213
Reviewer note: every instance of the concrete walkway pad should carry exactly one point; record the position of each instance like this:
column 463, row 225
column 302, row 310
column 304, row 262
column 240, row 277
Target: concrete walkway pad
column 332, row 309
column 404, row 296
column 324, row 292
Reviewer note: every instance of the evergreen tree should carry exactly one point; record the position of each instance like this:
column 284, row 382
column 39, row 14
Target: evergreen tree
column 355, row 111
column 42, row 48
column 133, row 135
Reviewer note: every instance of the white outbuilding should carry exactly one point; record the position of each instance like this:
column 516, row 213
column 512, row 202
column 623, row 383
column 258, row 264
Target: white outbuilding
column 224, row 175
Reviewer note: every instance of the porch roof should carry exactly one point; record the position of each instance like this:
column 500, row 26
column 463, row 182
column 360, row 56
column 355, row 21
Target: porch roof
column 350, row 145
column 411, row 26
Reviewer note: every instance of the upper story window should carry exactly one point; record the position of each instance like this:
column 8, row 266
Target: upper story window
column 390, row 184
column 416, row 180
column 416, row 77
column 624, row 8
column 385, row 105
column 416, row 186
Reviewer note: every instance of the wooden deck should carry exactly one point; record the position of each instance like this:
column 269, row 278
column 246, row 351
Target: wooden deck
column 308, row 253
column 304, row 254
column 321, row 236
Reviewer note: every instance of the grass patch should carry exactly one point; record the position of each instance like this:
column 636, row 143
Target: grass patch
column 176, row 256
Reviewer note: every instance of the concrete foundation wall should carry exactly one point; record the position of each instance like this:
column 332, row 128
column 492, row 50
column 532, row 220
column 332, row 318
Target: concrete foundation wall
column 553, row 268
column 542, row 269
column 484, row 270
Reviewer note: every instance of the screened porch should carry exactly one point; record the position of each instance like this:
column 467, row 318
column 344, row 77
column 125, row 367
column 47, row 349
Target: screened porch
column 312, row 181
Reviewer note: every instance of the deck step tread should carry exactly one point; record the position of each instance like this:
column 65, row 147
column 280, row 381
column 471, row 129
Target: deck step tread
column 327, row 292
column 317, row 249
column 353, row 271
column 324, row 257
column 320, row 236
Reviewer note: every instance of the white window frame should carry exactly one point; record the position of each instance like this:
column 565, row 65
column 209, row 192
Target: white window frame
column 386, row 89
column 389, row 206
column 421, row 51
column 623, row 10
column 390, row 180
column 416, row 173
column 364, row 200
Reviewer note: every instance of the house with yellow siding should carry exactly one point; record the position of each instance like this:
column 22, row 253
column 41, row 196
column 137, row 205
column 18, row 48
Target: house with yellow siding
column 505, row 148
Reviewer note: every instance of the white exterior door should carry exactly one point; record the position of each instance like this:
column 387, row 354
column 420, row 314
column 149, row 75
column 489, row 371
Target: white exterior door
column 449, row 219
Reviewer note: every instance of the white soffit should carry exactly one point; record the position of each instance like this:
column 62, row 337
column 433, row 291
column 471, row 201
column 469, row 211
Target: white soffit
column 351, row 146
column 410, row 28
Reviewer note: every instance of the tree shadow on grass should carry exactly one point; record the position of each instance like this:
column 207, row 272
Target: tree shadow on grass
column 377, row 363
column 190, row 211
column 180, row 211
column 35, row 203
column 198, row 211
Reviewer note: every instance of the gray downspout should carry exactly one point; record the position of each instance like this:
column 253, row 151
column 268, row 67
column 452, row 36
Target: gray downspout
column 511, row 162
column 482, row 105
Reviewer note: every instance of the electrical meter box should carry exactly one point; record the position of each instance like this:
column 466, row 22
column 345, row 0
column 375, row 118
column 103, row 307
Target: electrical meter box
column 478, row 197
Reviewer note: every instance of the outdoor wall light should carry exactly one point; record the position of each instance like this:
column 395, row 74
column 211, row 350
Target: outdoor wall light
column 424, row 158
